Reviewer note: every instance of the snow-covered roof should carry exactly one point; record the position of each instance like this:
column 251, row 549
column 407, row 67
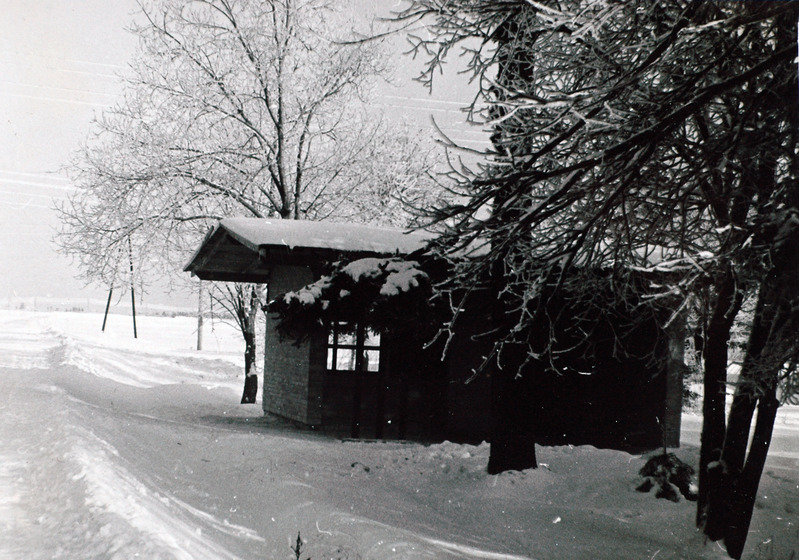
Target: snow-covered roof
column 258, row 232
column 244, row 249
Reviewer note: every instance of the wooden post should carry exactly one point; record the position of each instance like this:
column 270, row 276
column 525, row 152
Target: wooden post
column 107, row 305
column 133, row 307
column 132, row 294
column 200, row 318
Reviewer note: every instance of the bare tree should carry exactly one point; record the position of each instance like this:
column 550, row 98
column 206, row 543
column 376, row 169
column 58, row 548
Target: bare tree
column 231, row 108
column 242, row 302
column 639, row 138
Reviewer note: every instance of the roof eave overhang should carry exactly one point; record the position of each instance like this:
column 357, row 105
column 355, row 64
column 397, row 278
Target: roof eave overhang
column 253, row 263
column 268, row 258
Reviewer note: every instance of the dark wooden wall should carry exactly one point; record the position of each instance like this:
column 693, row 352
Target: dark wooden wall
column 594, row 398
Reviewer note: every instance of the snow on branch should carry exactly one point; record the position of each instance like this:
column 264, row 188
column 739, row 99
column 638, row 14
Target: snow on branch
column 382, row 293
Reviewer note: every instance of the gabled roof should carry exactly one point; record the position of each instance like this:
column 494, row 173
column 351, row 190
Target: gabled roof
column 244, row 249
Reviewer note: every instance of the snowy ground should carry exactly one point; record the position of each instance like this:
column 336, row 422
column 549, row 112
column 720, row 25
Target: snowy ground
column 118, row 448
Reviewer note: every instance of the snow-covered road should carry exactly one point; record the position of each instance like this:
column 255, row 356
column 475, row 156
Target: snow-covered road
column 112, row 448
column 66, row 492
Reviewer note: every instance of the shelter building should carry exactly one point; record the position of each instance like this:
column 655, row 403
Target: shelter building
column 357, row 383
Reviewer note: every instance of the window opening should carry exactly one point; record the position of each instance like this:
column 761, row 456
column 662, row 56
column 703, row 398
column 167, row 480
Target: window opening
column 343, row 348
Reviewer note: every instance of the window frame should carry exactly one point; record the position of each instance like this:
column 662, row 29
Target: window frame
column 359, row 346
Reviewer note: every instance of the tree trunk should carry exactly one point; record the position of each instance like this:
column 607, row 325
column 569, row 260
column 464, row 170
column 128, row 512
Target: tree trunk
column 513, row 411
column 513, row 440
column 248, row 322
column 512, row 405
column 774, row 330
column 744, row 491
column 728, row 303
column 250, row 372
column 736, row 437
column 513, row 437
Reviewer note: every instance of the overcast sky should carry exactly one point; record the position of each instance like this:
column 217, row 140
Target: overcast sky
column 58, row 66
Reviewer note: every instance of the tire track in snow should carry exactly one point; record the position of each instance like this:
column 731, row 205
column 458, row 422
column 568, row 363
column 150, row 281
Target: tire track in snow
column 64, row 496
column 391, row 542
column 472, row 552
column 138, row 368
column 42, row 505
column 169, row 524
column 17, row 529
column 26, row 347
column 30, row 341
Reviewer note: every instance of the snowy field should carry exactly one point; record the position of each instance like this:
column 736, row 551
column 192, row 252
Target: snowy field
column 115, row 448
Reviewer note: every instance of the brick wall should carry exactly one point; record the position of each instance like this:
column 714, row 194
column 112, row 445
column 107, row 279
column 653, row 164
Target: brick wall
column 286, row 388
column 317, row 369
